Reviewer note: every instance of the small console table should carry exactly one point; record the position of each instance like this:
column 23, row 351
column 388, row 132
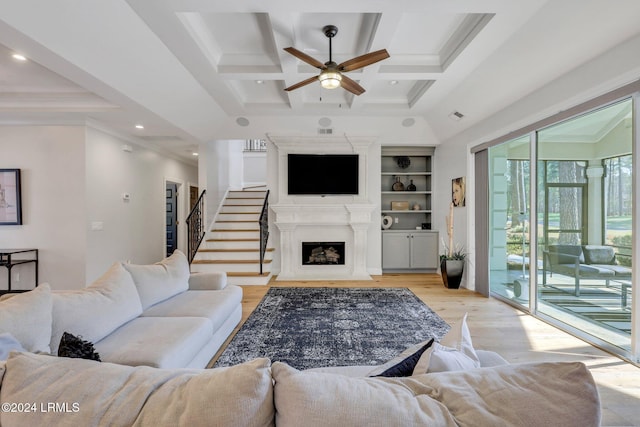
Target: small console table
column 8, row 260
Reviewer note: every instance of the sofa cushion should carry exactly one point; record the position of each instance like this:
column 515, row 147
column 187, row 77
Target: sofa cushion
column 106, row 394
column 584, row 270
column 161, row 342
column 97, row 310
column 618, row 270
column 27, row 316
column 537, row 394
column 162, row 280
column 565, row 254
column 534, row 394
column 319, row 399
column 217, row 306
column 598, row 254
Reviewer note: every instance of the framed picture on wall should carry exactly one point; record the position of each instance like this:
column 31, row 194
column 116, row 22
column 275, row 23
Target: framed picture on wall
column 10, row 200
column 457, row 191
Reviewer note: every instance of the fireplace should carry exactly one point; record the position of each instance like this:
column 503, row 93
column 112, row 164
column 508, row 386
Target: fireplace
column 323, row 253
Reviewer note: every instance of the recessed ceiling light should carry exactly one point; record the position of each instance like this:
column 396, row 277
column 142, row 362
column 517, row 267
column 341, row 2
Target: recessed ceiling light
column 259, row 82
column 19, row 57
column 393, row 82
column 139, row 127
column 195, row 153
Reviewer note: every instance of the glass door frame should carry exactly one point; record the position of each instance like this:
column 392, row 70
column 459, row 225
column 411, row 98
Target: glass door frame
column 632, row 92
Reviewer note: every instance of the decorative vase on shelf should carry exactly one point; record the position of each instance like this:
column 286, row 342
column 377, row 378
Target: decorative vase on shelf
column 411, row 186
column 398, row 185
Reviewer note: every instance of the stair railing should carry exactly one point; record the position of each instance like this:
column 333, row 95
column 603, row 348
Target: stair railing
column 264, row 229
column 195, row 227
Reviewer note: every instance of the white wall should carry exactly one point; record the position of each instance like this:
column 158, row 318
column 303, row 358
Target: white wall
column 73, row 176
column 51, row 159
column 255, row 168
column 131, row 230
column 220, row 168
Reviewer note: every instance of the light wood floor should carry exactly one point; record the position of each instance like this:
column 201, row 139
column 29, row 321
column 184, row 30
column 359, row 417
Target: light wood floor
column 517, row 336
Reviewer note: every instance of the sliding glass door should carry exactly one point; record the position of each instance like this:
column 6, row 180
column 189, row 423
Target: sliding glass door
column 584, row 283
column 509, row 219
column 576, row 208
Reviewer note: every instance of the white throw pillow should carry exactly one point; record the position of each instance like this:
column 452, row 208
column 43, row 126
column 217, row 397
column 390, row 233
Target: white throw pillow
column 94, row 312
column 27, row 316
column 162, row 280
column 455, row 352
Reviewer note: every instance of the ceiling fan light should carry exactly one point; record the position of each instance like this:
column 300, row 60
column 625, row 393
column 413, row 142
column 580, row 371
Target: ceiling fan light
column 330, row 79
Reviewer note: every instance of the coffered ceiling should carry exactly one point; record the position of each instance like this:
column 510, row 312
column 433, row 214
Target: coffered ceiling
column 193, row 71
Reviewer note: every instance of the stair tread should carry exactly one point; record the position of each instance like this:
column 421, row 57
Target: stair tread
column 239, row 213
column 230, row 261
column 235, row 250
column 233, row 240
column 246, row 274
column 234, row 230
column 239, row 221
column 245, row 198
column 229, row 204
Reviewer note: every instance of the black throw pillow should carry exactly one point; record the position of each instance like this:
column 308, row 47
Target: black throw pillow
column 405, row 367
column 72, row 346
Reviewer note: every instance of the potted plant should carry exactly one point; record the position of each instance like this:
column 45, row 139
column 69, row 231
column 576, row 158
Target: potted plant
column 453, row 258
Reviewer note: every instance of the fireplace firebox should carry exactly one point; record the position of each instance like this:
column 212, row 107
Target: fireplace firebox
column 323, row 253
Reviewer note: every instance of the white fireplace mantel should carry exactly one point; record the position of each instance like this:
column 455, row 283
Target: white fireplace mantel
column 334, row 218
column 347, row 223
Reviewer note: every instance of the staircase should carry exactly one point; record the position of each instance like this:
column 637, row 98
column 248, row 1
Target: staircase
column 233, row 244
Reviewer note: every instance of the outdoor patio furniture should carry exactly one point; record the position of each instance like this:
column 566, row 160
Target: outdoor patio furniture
column 583, row 262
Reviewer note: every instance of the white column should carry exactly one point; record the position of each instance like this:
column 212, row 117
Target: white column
column 360, row 251
column 596, row 201
column 288, row 255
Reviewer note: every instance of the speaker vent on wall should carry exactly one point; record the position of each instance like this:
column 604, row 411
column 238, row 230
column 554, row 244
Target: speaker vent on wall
column 327, row 131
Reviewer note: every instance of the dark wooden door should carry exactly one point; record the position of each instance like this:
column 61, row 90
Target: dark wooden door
column 172, row 217
column 193, row 196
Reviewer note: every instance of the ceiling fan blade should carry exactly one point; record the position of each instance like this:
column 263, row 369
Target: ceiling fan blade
column 351, row 86
column 304, row 57
column 302, row 83
column 364, row 60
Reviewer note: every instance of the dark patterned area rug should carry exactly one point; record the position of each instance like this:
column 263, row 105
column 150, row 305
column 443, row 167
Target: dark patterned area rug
column 315, row 327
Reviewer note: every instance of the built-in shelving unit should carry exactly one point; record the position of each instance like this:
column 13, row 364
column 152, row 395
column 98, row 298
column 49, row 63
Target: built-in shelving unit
column 408, row 165
column 409, row 243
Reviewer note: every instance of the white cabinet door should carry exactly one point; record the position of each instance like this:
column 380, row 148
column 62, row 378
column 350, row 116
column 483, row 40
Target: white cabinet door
column 395, row 250
column 424, row 250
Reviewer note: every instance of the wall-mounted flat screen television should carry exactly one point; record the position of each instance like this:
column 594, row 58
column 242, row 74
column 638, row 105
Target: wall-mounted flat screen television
column 323, row 174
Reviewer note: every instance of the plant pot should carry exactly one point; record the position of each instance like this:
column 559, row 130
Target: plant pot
column 451, row 270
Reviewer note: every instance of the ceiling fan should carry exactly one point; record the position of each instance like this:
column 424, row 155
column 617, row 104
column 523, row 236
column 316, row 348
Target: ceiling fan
column 331, row 75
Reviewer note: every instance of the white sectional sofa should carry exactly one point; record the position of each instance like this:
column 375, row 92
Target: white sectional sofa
column 156, row 315
column 256, row 393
